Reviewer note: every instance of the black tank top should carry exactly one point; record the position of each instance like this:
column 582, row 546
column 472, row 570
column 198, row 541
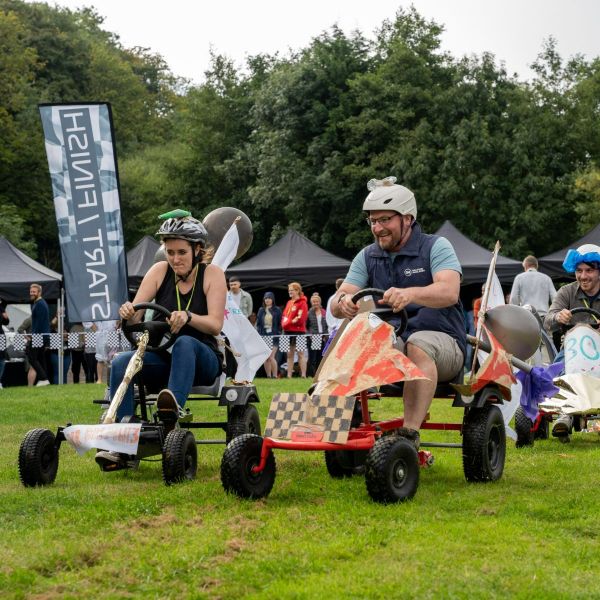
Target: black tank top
column 167, row 297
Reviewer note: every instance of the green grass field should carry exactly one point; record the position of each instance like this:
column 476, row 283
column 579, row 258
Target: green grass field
column 533, row 534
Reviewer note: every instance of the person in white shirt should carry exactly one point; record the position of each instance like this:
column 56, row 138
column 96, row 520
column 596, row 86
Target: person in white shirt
column 333, row 322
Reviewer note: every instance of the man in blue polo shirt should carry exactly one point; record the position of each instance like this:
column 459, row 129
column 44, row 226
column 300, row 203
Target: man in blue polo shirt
column 419, row 273
column 40, row 323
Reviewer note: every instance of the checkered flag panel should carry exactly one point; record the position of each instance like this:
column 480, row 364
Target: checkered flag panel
column 330, row 414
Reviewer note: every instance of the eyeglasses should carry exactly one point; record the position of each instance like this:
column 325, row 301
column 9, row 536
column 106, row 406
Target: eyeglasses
column 383, row 221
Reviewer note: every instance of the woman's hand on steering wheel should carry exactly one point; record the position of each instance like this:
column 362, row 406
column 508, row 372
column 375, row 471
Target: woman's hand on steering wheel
column 177, row 320
column 160, row 334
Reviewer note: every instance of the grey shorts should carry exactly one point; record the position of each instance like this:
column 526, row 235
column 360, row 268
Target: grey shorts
column 443, row 350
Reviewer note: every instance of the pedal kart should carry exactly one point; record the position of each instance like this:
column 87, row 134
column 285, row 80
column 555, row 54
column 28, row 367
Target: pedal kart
column 577, row 394
column 150, row 431
column 379, row 449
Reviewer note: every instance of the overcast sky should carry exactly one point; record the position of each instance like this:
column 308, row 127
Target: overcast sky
column 183, row 31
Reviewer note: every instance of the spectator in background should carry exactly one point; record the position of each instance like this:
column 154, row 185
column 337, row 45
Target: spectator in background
column 477, row 307
column 533, row 288
column 268, row 323
column 333, row 322
column 104, row 349
column 316, row 324
column 242, row 299
column 293, row 322
column 40, row 324
column 77, row 353
column 4, row 320
column 89, row 354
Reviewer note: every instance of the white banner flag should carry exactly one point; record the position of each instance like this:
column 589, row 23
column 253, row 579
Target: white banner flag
column 117, row 437
column 249, row 348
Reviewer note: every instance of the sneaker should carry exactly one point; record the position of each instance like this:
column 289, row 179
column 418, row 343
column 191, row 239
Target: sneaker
column 166, row 402
column 410, row 434
column 42, row 382
column 563, row 426
column 108, row 455
column 113, row 461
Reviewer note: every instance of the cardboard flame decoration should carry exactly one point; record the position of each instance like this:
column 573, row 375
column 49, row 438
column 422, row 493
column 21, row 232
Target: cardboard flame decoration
column 364, row 357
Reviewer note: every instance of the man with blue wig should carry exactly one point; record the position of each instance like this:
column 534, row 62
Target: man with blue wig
column 583, row 292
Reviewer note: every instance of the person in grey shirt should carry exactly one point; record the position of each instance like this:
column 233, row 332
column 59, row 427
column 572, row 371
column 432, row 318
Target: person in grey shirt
column 532, row 287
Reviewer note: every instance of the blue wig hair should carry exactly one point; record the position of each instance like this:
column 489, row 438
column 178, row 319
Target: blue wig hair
column 588, row 253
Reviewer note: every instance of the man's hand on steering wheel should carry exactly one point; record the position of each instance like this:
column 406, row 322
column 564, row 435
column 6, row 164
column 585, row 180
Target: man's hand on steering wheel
column 565, row 317
column 397, row 298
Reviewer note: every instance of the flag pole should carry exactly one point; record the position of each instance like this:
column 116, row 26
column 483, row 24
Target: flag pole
column 483, row 309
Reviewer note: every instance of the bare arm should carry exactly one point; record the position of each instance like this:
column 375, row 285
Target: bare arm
column 146, row 292
column 443, row 292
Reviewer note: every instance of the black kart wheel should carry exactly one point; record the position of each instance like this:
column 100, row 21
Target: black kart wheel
column 179, row 456
column 243, row 419
column 241, row 454
column 484, row 444
column 38, row 458
column 345, row 463
column 524, row 429
column 392, row 470
column 543, row 430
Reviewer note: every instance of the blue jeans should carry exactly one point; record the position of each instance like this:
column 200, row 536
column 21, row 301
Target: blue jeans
column 191, row 362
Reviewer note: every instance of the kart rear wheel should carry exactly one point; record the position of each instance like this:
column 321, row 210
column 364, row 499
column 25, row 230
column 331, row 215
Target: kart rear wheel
column 543, row 430
column 38, row 458
column 241, row 454
column 243, row 419
column 523, row 427
column 484, row 444
column 344, row 463
column 392, row 470
column 179, row 456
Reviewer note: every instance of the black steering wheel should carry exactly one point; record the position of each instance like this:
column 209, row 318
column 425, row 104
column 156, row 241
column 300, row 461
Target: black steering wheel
column 157, row 330
column 385, row 313
column 583, row 309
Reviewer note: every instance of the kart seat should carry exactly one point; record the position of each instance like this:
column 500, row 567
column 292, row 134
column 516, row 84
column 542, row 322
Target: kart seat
column 443, row 389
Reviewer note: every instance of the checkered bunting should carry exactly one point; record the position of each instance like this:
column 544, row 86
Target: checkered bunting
column 20, row 342
column 302, row 342
column 37, row 340
column 54, row 341
column 331, row 413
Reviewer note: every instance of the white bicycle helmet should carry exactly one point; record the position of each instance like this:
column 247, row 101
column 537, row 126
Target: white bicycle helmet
column 386, row 194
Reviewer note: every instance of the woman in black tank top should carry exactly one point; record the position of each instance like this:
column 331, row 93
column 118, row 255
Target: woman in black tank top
column 195, row 294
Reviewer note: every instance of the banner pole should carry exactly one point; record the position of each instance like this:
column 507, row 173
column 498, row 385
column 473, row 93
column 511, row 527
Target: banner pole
column 61, row 328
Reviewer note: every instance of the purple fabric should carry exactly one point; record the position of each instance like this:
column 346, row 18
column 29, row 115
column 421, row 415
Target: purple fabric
column 537, row 385
column 329, row 339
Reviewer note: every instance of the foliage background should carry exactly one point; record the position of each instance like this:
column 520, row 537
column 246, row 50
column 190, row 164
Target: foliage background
column 291, row 140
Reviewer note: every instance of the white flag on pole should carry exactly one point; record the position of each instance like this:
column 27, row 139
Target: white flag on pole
column 249, row 348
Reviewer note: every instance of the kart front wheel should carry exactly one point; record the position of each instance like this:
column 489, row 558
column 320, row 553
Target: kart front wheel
column 240, row 456
column 38, row 458
column 524, row 429
column 179, row 457
column 392, row 470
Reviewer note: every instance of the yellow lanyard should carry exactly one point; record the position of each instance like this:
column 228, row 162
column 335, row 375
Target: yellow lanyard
column 585, row 301
column 191, row 295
